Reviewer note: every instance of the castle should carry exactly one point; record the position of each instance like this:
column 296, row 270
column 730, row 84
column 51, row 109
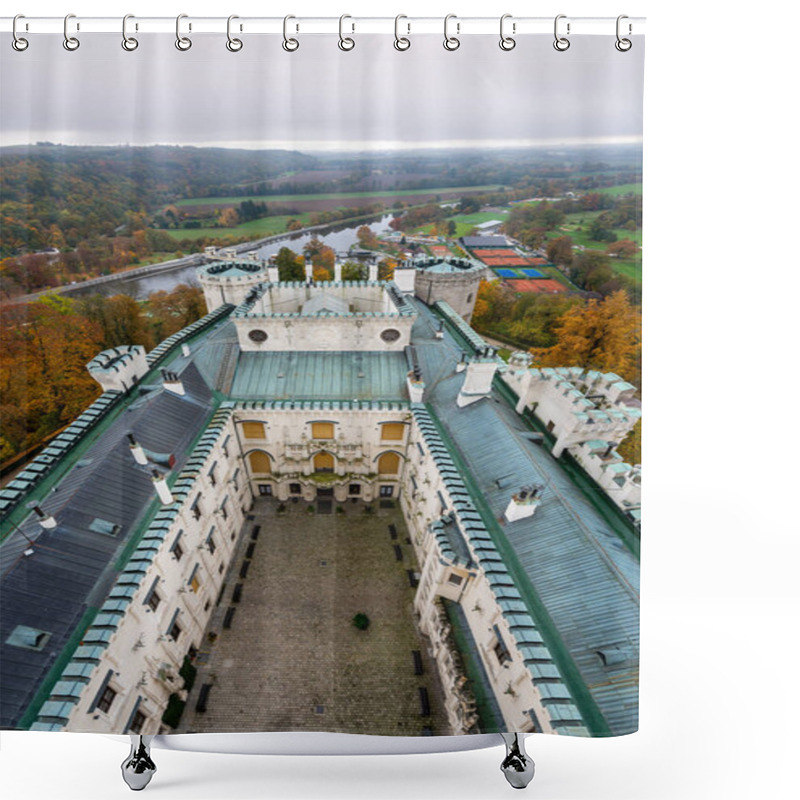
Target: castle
column 121, row 536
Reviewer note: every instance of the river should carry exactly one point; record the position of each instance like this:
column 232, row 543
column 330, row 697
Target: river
column 339, row 237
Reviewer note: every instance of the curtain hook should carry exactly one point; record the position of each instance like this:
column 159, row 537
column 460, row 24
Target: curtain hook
column 401, row 42
column 70, row 42
column 507, row 42
column 234, row 45
column 290, row 44
column 346, row 42
column 451, row 42
column 561, row 43
column 623, row 45
column 128, row 42
column 183, row 43
column 18, row 43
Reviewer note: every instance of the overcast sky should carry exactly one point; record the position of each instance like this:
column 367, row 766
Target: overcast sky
column 319, row 98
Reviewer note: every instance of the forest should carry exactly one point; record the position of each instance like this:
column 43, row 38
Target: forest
column 45, row 346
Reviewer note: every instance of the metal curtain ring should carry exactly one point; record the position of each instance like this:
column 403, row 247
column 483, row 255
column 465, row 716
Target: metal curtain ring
column 70, row 42
column 561, row 43
column 128, row 42
column 18, row 43
column 623, row 45
column 290, row 44
column 346, row 42
column 183, row 43
column 401, row 42
column 451, row 42
column 507, row 42
column 233, row 44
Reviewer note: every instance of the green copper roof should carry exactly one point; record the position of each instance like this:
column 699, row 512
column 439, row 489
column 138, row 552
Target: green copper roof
column 320, row 376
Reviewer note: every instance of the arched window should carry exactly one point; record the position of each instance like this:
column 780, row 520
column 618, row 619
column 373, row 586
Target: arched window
column 389, row 464
column 260, row 462
column 323, row 462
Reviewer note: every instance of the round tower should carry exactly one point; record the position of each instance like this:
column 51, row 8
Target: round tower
column 454, row 280
column 230, row 281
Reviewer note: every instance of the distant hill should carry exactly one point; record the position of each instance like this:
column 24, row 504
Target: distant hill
column 56, row 194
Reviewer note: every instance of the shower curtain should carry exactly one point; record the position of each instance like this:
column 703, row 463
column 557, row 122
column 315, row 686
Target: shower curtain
column 321, row 379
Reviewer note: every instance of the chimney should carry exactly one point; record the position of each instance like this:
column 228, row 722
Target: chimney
column 185, row 349
column 439, row 334
column 524, row 503
column 611, row 446
column 164, row 494
column 309, row 271
column 172, row 382
column 477, row 382
column 47, row 521
column 373, row 272
column 136, row 450
column 416, row 386
column 462, row 362
column 337, row 271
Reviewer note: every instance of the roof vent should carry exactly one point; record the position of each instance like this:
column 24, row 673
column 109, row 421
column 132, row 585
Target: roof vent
column 29, row 638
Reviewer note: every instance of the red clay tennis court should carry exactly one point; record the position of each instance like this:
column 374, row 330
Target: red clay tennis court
column 493, row 251
column 542, row 285
column 440, row 250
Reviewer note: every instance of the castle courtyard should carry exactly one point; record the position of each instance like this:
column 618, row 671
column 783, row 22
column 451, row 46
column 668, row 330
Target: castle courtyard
column 292, row 659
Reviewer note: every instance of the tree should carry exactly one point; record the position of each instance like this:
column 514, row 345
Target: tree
column 321, row 274
column 354, row 271
column 294, row 225
column 367, row 238
column 175, row 310
column 386, row 269
column 291, row 266
column 228, row 218
column 120, row 319
column 631, row 446
column 44, row 349
column 559, row 250
column 604, row 335
column 624, row 248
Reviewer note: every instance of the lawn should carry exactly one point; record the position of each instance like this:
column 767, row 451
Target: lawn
column 577, row 227
column 257, row 228
column 287, row 198
column 618, row 191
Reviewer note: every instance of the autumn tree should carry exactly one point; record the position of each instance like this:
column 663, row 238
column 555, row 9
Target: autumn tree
column 559, row 250
column 367, row 238
column 172, row 311
column 120, row 318
column 631, row 446
column 228, row 218
column 604, row 335
column 624, row 248
column 386, row 269
column 44, row 349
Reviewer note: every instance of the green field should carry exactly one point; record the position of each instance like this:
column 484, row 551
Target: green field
column 257, row 228
column 576, row 227
column 464, row 222
column 618, row 191
column 288, row 198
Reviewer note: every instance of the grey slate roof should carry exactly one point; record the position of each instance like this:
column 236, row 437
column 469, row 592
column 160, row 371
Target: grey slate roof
column 73, row 566
column 585, row 576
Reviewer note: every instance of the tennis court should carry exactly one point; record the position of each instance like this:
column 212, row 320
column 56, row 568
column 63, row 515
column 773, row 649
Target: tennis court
column 547, row 286
column 532, row 273
column 506, row 273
